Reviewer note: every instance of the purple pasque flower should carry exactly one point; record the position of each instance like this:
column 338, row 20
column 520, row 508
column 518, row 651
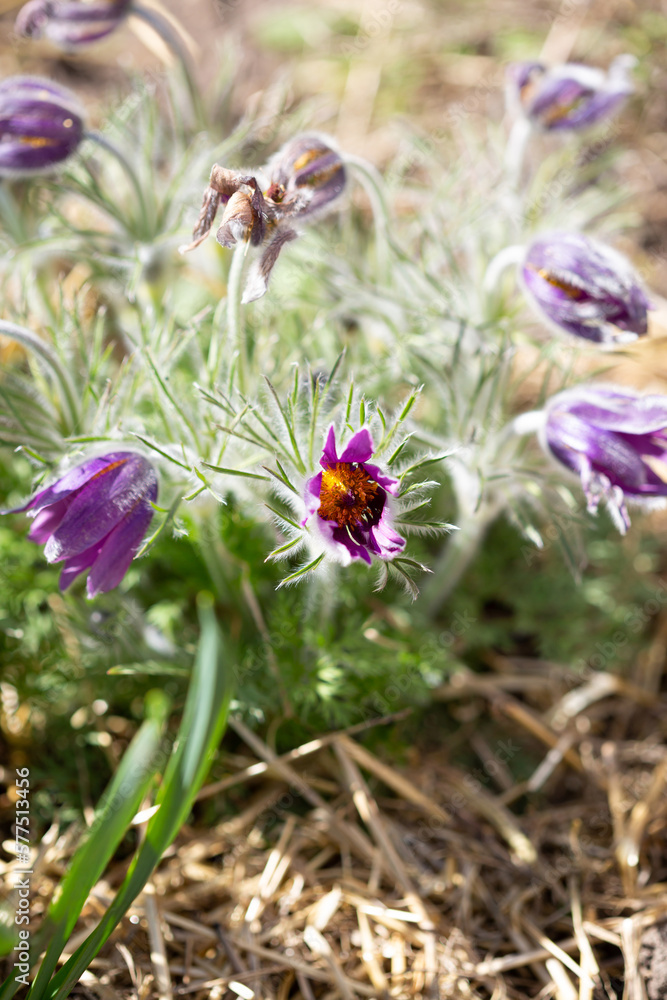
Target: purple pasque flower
column 41, row 124
column 615, row 440
column 70, row 23
column 95, row 517
column 568, row 95
column 585, row 288
column 305, row 176
column 347, row 504
column 307, row 168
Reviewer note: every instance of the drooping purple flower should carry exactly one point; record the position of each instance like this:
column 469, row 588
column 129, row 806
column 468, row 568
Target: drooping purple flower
column 41, row 124
column 70, row 23
column 615, row 440
column 585, row 288
column 95, row 517
column 568, row 95
column 309, row 167
column 347, row 504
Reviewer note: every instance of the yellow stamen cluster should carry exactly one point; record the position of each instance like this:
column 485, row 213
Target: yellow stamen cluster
column 320, row 178
column 570, row 290
column 108, row 468
column 346, row 494
column 36, row 141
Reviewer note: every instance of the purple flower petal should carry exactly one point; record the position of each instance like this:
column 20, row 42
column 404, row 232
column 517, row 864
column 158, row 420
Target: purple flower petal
column 70, row 23
column 312, row 495
column 359, row 448
column 308, row 167
column 384, row 541
column 72, row 481
column 569, row 95
column 104, row 500
column 617, row 410
column 584, row 288
column 41, row 124
column 329, row 453
column 606, row 452
column 615, row 440
column 77, row 564
column 95, row 516
column 387, row 483
column 346, row 544
column 118, row 550
column 347, row 503
column 46, row 521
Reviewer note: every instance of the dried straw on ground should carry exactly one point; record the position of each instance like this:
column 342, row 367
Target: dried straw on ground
column 344, row 877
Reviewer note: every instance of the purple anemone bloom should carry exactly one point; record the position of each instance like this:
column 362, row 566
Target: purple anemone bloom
column 569, row 95
column 95, row 517
column 70, row 23
column 348, row 503
column 41, row 124
column 585, row 288
column 307, row 166
column 615, row 440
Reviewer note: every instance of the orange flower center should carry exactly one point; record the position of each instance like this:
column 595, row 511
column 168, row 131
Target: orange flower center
column 346, row 494
column 36, row 141
column 108, row 468
column 570, row 290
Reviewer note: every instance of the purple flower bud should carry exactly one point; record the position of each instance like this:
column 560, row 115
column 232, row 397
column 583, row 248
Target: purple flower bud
column 567, row 96
column 615, row 440
column 308, row 167
column 70, row 23
column 585, row 288
column 347, row 504
column 95, row 517
column 41, row 124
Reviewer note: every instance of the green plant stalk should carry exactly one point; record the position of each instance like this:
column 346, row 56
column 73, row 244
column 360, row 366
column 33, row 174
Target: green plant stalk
column 129, row 171
column 162, row 27
column 119, row 804
column 202, row 726
column 374, row 187
column 34, row 343
column 236, row 331
column 460, row 550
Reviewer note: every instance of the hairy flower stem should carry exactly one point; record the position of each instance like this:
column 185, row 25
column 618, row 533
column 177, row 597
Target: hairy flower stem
column 374, row 188
column 515, row 152
column 459, row 552
column 170, row 37
column 236, row 332
column 35, row 344
column 129, row 171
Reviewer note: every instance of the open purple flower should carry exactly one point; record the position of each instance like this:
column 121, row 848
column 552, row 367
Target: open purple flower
column 95, row 517
column 569, row 95
column 347, row 504
column 615, row 440
column 41, row 124
column 70, row 23
column 585, row 288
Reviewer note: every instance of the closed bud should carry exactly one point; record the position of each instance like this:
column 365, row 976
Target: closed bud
column 41, row 125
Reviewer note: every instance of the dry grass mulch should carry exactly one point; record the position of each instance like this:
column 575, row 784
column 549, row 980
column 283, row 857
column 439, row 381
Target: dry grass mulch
column 343, row 876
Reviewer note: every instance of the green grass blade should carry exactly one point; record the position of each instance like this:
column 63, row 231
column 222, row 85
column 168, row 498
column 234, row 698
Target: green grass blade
column 119, row 804
column 202, row 726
